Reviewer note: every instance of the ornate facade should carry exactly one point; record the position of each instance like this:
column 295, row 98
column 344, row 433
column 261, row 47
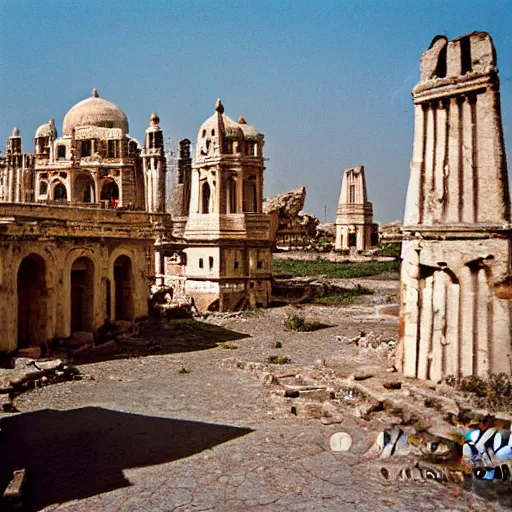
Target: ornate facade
column 85, row 228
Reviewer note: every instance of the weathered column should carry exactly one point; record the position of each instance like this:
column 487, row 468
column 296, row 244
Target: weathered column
column 456, row 275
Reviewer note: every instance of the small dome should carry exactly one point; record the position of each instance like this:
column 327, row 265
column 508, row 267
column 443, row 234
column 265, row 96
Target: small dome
column 44, row 130
column 95, row 111
column 154, row 120
column 15, row 132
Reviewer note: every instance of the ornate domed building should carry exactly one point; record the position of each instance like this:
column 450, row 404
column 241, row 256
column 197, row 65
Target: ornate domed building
column 85, row 228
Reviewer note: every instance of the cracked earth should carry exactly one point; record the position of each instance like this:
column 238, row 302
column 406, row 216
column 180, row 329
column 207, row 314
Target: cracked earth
column 218, row 438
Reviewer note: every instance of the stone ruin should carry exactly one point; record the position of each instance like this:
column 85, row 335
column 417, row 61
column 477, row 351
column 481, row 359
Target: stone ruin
column 456, row 276
column 295, row 228
column 355, row 230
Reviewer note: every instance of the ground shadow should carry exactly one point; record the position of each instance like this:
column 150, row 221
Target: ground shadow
column 79, row 453
column 162, row 337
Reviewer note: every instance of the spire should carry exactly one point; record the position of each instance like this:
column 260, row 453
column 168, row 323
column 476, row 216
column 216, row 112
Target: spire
column 219, row 107
column 95, row 93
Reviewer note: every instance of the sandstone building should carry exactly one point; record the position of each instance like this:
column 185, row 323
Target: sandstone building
column 225, row 260
column 456, row 287
column 355, row 229
column 85, row 228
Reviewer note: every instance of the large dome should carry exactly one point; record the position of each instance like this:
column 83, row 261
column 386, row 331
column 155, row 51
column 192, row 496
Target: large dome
column 95, row 111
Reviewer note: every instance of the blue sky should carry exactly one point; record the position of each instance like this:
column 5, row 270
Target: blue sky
column 327, row 82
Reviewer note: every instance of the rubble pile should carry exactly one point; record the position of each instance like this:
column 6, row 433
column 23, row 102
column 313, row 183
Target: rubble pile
column 371, row 343
column 30, row 373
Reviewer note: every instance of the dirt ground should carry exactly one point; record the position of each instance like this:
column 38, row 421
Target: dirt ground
column 188, row 417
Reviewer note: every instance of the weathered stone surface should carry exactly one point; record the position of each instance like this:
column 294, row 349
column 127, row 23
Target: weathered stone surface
column 355, row 229
column 340, row 442
column 81, row 339
column 454, row 318
column 286, row 205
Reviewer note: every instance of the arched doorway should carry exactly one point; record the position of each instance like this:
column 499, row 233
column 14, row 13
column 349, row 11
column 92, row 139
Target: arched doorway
column 82, row 295
column 84, row 189
column 59, row 192
column 32, row 302
column 123, row 283
column 231, row 196
column 205, row 198
column 250, row 195
column 110, row 193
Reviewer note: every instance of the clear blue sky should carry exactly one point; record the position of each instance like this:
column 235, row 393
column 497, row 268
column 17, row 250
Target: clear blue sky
column 327, row 82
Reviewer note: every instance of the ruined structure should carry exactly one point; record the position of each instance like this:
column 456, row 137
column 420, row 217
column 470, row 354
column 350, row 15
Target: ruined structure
column 85, row 228
column 355, row 229
column 225, row 261
column 456, row 287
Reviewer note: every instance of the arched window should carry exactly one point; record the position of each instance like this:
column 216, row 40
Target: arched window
column 43, row 187
column 60, row 193
column 250, row 195
column 110, row 193
column 205, row 198
column 231, row 199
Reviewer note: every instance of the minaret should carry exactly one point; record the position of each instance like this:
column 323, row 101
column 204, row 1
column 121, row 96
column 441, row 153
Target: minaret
column 456, row 283
column 153, row 156
column 354, row 218
column 14, row 156
column 181, row 183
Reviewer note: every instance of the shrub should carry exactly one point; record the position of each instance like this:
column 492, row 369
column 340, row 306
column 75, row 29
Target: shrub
column 184, row 370
column 277, row 360
column 298, row 323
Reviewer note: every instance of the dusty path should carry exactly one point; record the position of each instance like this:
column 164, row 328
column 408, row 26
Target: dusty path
column 135, row 434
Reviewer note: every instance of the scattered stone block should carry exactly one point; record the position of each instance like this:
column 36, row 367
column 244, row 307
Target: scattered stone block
column 12, row 496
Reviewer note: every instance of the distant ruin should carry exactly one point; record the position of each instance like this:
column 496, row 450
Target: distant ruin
column 355, row 229
column 456, row 275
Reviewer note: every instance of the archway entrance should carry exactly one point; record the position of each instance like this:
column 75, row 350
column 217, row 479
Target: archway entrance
column 60, row 193
column 110, row 193
column 84, row 189
column 123, row 288
column 32, row 302
column 82, row 295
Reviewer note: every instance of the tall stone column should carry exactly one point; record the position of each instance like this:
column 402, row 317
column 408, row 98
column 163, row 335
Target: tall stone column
column 456, row 278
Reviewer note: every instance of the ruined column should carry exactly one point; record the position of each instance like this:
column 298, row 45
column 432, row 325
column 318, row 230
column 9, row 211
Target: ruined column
column 355, row 213
column 456, row 278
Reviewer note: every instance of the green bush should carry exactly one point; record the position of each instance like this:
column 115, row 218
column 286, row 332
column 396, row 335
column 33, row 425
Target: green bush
column 277, row 360
column 298, row 323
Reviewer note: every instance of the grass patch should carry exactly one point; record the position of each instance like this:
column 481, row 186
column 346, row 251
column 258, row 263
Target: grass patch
column 227, row 346
column 295, row 322
column 277, row 360
column 344, row 296
column 337, row 270
column 184, row 371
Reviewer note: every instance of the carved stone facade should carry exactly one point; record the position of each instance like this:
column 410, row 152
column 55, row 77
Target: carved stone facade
column 226, row 260
column 456, row 276
column 355, row 229
column 84, row 228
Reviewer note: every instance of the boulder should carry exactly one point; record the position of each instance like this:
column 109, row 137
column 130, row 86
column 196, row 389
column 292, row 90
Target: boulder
column 81, row 339
column 287, row 205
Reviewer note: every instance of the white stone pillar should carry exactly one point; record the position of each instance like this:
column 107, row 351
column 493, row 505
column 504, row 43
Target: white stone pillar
column 469, row 213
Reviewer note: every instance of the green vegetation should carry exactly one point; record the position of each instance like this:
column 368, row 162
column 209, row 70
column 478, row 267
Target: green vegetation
column 184, row 370
column 493, row 393
column 344, row 296
column 227, row 346
column 279, row 344
column 387, row 269
column 392, row 250
column 299, row 323
column 277, row 360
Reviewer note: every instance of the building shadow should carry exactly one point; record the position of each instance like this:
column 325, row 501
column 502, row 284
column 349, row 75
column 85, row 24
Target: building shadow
column 78, row 453
column 163, row 337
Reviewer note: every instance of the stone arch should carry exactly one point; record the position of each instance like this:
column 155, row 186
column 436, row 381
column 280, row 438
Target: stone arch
column 123, row 288
column 205, row 197
column 85, row 189
column 119, row 257
column 250, row 203
column 82, row 294
column 231, row 195
column 59, row 191
column 110, row 191
column 32, row 301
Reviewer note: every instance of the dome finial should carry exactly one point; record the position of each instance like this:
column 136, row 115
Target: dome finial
column 154, row 120
column 15, row 132
column 95, row 93
column 219, row 107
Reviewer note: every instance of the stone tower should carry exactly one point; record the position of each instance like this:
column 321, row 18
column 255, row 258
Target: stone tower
column 354, row 219
column 228, row 259
column 153, row 158
column 455, row 284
